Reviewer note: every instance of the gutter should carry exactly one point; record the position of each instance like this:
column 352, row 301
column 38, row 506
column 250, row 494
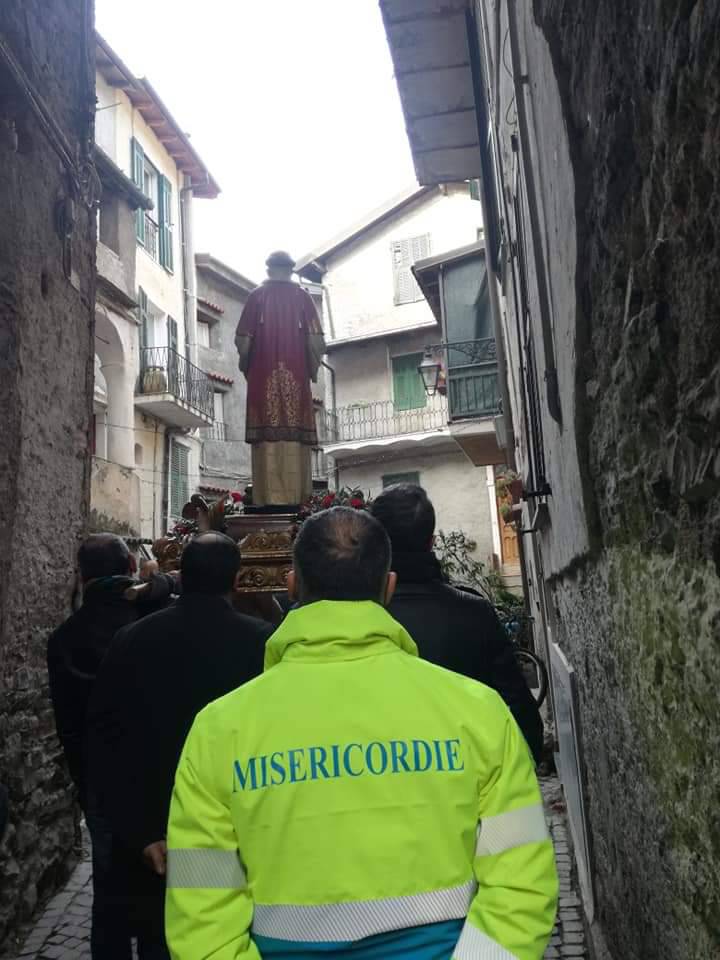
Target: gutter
column 520, row 82
column 492, row 244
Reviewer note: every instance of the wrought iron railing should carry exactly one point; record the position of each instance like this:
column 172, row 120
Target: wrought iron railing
column 472, row 379
column 218, row 431
column 164, row 370
column 381, row 418
column 151, row 236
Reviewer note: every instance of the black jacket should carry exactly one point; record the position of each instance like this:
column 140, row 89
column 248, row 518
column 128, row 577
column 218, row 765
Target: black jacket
column 159, row 674
column 460, row 631
column 76, row 650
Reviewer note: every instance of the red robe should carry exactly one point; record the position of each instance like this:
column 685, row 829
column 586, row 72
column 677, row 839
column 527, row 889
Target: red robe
column 281, row 319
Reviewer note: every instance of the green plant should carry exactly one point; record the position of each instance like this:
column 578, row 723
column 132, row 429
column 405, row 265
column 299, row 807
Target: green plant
column 454, row 551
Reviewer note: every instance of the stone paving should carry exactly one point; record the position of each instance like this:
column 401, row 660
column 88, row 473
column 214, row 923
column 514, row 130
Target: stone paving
column 63, row 930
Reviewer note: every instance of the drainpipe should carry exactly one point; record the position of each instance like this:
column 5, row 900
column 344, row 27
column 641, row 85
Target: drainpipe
column 188, row 269
column 492, row 237
column 520, row 81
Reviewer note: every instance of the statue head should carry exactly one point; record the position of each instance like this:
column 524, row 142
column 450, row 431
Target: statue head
column 280, row 265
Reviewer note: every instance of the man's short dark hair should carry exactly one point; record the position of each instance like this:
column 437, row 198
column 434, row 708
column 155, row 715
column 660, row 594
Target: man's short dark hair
column 209, row 564
column 342, row 554
column 103, row 555
column 407, row 514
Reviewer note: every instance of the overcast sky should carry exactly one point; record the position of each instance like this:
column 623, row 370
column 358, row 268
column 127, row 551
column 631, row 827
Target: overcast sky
column 291, row 104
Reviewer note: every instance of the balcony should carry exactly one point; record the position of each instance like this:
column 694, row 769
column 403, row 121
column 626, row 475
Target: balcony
column 218, row 431
column 472, row 378
column 173, row 389
column 381, row 423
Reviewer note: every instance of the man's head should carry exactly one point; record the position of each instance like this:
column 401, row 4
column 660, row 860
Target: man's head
column 408, row 516
column 210, row 564
column 341, row 554
column 280, row 265
column 104, row 555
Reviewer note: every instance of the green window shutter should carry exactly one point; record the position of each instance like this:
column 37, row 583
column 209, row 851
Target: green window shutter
column 172, row 329
column 165, row 222
column 179, row 481
column 143, row 319
column 475, row 190
column 137, row 167
column 390, row 479
column 408, row 389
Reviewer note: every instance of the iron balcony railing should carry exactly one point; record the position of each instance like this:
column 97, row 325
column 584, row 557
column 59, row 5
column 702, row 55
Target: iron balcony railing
column 382, row 418
column 164, row 370
column 472, row 379
column 218, row 431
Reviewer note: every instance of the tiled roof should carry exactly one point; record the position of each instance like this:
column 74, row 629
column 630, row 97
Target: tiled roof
column 213, row 306
column 220, row 377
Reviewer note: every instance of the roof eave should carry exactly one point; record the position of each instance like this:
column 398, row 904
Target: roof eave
column 428, row 42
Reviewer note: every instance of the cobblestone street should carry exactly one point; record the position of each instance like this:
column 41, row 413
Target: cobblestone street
column 63, row 931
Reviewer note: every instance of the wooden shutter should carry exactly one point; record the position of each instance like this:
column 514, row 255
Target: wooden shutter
column 165, row 221
column 137, row 168
column 408, row 390
column 179, row 481
column 143, row 320
column 172, row 331
column 404, row 254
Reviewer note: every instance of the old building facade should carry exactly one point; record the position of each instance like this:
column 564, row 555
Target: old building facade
column 48, row 191
column 593, row 130
column 151, row 394
column 382, row 426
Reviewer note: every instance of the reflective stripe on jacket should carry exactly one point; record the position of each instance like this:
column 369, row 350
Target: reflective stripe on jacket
column 355, row 795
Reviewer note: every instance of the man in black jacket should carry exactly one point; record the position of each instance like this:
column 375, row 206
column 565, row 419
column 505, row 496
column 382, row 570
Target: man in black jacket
column 452, row 628
column 75, row 652
column 160, row 673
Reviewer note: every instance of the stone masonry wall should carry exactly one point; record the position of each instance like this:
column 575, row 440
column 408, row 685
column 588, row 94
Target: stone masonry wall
column 46, row 334
column 640, row 617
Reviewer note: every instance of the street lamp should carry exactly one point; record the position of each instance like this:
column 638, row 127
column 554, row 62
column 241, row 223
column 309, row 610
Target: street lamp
column 430, row 370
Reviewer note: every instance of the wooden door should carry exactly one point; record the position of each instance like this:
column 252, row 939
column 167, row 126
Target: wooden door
column 508, row 536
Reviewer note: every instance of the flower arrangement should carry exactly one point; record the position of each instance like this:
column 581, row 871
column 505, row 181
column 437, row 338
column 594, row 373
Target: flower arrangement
column 346, row 497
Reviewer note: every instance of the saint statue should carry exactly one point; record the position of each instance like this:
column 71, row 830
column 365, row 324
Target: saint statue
column 280, row 343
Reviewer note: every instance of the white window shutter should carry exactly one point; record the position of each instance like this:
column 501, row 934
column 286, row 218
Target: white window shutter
column 405, row 253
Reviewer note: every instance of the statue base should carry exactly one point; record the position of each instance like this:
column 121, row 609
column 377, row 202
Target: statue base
column 265, row 541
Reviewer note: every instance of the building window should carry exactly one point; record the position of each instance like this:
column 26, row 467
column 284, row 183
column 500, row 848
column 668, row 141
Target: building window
column 404, row 254
column 154, row 228
column 138, row 454
column 179, row 482
column 390, row 479
column 408, row 388
column 203, row 334
column 475, row 190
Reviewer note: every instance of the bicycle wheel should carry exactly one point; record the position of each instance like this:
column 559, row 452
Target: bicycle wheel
column 535, row 673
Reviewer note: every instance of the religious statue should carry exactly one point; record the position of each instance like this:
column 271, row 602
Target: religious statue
column 280, row 343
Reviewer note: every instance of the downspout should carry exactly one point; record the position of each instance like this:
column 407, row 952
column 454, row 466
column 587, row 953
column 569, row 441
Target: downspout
column 492, row 244
column 520, row 82
column 189, row 280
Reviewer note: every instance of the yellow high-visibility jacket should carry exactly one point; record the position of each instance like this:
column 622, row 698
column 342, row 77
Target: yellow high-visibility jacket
column 357, row 796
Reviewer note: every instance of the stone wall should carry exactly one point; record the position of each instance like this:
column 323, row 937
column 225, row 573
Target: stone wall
column 639, row 614
column 46, row 332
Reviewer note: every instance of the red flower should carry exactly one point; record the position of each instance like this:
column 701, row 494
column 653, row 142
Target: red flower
column 327, row 501
column 237, row 497
column 357, row 502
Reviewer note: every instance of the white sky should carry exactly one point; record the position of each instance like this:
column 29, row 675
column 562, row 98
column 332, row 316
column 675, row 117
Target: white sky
column 291, row 104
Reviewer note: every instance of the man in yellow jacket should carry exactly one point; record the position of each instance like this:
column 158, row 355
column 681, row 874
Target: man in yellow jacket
column 354, row 800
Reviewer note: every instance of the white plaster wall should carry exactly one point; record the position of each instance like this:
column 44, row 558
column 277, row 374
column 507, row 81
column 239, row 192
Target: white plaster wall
column 566, row 538
column 363, row 370
column 457, row 489
column 359, row 280
column 116, row 128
